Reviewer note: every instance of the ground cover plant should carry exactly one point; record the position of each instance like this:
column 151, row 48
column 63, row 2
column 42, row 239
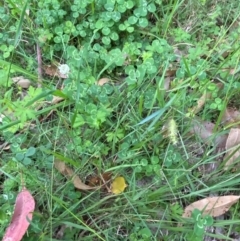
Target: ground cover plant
column 120, row 119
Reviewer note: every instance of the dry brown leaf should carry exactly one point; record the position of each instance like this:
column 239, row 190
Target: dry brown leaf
column 22, row 82
column 232, row 143
column 170, row 73
column 103, row 81
column 99, row 180
column 230, row 116
column 69, row 173
column 167, row 82
column 53, row 70
column 204, row 129
column 201, row 102
column 213, row 206
column 179, row 53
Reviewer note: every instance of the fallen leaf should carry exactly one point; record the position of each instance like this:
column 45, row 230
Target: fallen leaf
column 69, row 173
column 22, row 82
column 99, row 180
column 204, row 129
column 213, row 206
column 60, row 232
column 170, row 73
column 167, row 81
column 57, row 99
column 103, row 81
column 201, row 102
column 118, row 185
column 230, row 116
column 232, row 147
column 53, row 70
column 24, row 207
column 179, row 53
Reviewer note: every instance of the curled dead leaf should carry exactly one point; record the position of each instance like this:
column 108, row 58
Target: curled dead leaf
column 69, row 173
column 232, row 147
column 99, row 180
column 171, row 72
column 22, row 82
column 213, row 206
column 230, row 116
column 201, row 102
column 204, row 129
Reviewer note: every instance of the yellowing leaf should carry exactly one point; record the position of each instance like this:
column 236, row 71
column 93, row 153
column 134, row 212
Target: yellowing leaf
column 213, row 206
column 118, row 185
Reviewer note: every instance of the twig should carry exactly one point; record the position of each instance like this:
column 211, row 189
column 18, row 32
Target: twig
column 39, row 60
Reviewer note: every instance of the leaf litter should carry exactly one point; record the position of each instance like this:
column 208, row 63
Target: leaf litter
column 228, row 141
column 205, row 131
column 118, row 185
column 98, row 180
column 213, row 206
column 233, row 148
column 69, row 173
column 231, row 116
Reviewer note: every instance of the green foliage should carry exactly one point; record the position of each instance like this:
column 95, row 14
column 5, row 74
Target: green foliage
column 160, row 57
column 172, row 157
column 21, row 110
column 201, row 222
column 142, row 234
column 25, row 157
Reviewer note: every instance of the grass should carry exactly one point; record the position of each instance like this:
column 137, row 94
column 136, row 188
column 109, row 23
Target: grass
column 128, row 127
